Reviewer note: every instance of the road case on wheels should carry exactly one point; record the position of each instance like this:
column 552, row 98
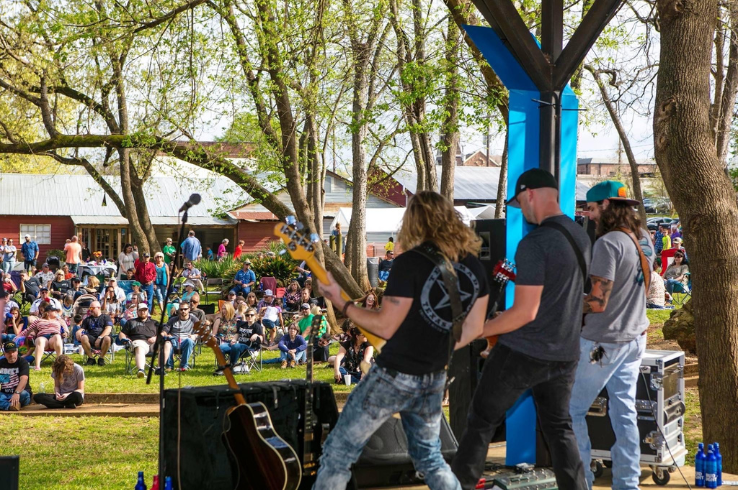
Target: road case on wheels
column 660, row 405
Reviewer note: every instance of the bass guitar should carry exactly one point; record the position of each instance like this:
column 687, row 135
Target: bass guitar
column 260, row 459
column 301, row 247
column 503, row 272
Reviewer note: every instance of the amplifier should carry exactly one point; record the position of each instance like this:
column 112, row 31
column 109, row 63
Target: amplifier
column 193, row 418
column 660, row 407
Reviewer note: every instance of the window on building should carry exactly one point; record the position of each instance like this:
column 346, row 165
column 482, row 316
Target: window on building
column 40, row 234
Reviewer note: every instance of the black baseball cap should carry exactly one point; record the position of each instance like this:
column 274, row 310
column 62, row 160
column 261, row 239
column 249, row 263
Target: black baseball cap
column 535, row 178
column 10, row 346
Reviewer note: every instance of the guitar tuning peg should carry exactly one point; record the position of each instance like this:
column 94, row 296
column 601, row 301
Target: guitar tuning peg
column 299, row 226
column 290, row 220
column 314, row 237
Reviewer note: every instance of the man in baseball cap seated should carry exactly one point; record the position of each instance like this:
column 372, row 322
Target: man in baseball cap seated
column 14, row 387
column 141, row 332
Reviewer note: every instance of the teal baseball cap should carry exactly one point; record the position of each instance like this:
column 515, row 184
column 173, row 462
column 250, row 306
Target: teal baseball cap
column 611, row 190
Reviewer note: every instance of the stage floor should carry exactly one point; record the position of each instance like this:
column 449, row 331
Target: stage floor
column 496, row 455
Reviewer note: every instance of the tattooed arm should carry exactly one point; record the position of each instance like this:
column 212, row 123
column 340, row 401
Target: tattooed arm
column 596, row 300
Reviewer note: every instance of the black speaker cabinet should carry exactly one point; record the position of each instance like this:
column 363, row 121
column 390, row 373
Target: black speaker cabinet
column 9, row 471
column 385, row 460
column 192, row 424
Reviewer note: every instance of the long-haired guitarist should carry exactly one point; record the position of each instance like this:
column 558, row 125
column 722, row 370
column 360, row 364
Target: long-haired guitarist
column 409, row 376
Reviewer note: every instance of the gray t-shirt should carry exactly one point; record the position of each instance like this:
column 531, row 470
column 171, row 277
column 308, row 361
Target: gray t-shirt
column 177, row 327
column 546, row 258
column 615, row 258
column 71, row 381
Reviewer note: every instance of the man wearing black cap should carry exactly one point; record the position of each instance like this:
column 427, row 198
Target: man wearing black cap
column 13, row 379
column 538, row 347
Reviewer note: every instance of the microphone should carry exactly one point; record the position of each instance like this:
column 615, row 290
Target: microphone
column 192, row 201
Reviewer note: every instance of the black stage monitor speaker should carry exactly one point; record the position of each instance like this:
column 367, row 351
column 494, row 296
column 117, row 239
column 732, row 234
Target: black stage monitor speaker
column 385, row 460
column 195, row 456
column 9, row 470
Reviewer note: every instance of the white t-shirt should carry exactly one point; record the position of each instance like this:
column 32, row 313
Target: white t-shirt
column 272, row 313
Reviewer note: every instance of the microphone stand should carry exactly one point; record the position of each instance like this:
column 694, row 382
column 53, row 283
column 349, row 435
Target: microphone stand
column 159, row 349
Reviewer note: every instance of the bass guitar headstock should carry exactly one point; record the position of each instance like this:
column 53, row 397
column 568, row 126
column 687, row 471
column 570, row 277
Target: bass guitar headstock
column 300, row 245
column 504, row 271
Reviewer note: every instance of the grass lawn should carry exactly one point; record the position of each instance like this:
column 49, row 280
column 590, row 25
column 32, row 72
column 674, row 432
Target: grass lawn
column 112, row 378
column 82, row 453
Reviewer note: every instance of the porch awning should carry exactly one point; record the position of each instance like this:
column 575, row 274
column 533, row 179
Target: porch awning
column 155, row 220
column 100, row 220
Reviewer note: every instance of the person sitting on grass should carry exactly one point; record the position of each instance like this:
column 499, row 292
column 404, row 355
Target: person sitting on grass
column 225, row 328
column 69, row 385
column 15, row 391
column 350, row 356
column 95, row 334
column 292, row 348
column 656, row 298
column 47, row 332
column 141, row 333
column 179, row 335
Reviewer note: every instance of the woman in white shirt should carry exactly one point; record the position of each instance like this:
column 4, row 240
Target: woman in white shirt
column 127, row 259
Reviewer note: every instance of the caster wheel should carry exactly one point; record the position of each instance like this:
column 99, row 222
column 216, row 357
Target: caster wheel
column 597, row 468
column 663, row 479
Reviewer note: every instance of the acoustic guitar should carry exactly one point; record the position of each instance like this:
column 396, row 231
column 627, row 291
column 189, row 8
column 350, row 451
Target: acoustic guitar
column 503, row 272
column 260, row 459
column 301, row 247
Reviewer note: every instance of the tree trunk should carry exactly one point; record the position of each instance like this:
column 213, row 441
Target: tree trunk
column 705, row 199
column 502, row 184
column 615, row 117
column 142, row 212
column 730, row 88
column 355, row 258
column 138, row 236
column 450, row 142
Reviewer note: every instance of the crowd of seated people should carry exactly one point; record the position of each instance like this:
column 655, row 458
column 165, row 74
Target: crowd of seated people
column 98, row 315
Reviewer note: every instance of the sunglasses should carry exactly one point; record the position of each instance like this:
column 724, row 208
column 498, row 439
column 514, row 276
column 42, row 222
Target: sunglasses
column 183, row 309
column 250, row 314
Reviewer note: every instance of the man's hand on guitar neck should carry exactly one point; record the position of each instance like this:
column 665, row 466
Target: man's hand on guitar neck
column 523, row 311
column 382, row 323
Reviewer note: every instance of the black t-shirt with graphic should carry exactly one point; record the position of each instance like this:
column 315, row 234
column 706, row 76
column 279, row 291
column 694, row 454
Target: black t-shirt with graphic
column 420, row 345
column 245, row 331
column 10, row 374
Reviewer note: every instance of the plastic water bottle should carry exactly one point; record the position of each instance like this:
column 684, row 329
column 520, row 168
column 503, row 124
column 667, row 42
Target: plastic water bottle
column 42, row 387
column 699, row 466
column 155, row 484
column 719, row 457
column 710, row 469
column 168, row 483
column 141, row 484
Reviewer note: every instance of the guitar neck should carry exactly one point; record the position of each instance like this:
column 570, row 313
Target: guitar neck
column 228, row 374
column 318, row 271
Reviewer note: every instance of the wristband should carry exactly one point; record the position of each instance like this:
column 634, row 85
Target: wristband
column 346, row 306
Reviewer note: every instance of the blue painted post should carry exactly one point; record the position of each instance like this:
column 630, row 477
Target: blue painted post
column 523, row 154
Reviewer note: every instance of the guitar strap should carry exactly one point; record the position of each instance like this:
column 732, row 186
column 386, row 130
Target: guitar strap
column 430, row 251
column 645, row 266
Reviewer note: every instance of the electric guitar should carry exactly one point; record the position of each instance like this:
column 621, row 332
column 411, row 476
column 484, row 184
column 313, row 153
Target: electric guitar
column 310, row 446
column 302, row 247
column 503, row 272
column 260, row 459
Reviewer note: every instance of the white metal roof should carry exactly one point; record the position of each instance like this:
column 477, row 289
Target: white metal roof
column 80, row 197
column 473, row 183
